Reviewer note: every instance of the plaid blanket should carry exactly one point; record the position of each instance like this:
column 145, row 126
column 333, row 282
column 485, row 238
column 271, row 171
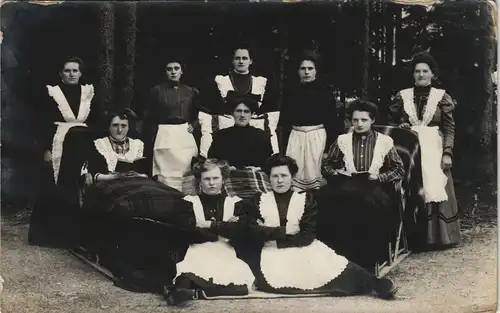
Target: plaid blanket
column 407, row 145
column 246, row 183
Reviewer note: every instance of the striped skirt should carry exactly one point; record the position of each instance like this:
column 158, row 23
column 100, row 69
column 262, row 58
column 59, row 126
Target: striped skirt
column 306, row 145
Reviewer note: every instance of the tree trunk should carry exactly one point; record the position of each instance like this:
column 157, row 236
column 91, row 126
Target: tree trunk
column 127, row 57
column 106, row 58
column 366, row 53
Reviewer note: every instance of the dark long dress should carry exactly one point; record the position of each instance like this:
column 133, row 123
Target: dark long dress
column 47, row 226
column 358, row 215
column 213, row 209
column 305, row 252
column 241, row 146
column 440, row 227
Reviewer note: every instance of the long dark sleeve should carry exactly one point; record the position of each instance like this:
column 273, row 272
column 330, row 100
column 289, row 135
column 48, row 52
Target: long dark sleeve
column 218, row 148
column 49, row 113
column 211, row 101
column 270, row 100
column 393, row 167
column 333, row 123
column 334, row 160
column 96, row 163
column 149, row 126
column 307, row 225
column 447, row 106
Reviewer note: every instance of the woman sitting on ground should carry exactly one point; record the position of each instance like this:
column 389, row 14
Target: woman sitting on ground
column 211, row 265
column 288, row 258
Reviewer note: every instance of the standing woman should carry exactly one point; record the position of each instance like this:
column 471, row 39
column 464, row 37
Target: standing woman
column 429, row 111
column 67, row 110
column 309, row 116
column 170, row 119
column 239, row 82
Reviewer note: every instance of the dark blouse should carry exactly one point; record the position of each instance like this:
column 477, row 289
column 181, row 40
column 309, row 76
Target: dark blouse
column 363, row 146
column 251, row 214
column 309, row 104
column 241, row 146
column 443, row 118
column 213, row 208
column 50, row 112
column 213, row 103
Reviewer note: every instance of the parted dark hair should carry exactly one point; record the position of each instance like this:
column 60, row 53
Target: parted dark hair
column 206, row 165
column 278, row 159
column 125, row 114
column 424, row 57
column 73, row 60
column 363, row 106
column 310, row 55
column 244, row 45
column 176, row 58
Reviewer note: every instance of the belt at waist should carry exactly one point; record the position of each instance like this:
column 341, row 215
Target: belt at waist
column 306, row 129
column 172, row 121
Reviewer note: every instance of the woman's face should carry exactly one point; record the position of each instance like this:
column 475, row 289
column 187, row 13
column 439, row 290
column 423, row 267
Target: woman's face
column 118, row 128
column 174, row 71
column 242, row 115
column 422, row 74
column 281, row 179
column 362, row 121
column 71, row 73
column 241, row 60
column 307, row 71
column 211, row 181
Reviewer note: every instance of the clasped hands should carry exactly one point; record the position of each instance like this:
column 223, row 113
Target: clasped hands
column 208, row 224
column 291, row 229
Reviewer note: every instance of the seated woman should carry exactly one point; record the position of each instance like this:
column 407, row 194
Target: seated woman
column 211, row 264
column 242, row 145
column 126, row 216
column 357, row 211
column 291, row 261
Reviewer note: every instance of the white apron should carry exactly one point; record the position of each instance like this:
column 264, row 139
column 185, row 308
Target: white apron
column 104, row 147
column 383, row 145
column 225, row 121
column 69, row 120
column 215, row 261
column 173, row 151
column 307, row 146
column 431, row 144
column 305, row 268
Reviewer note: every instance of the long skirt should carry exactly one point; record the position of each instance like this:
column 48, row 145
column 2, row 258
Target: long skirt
column 307, row 148
column 173, row 151
column 53, row 215
column 443, row 227
column 357, row 218
column 215, row 268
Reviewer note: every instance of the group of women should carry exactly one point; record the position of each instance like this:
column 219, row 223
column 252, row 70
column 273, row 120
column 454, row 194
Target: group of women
column 333, row 232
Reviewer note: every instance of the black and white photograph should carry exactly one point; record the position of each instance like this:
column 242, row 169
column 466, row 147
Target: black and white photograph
column 249, row 156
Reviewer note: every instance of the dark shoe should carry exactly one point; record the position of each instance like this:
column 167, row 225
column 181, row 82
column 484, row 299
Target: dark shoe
column 178, row 297
column 385, row 288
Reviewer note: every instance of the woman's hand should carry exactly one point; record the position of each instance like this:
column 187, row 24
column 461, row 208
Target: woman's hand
column 232, row 168
column 233, row 219
column 405, row 125
column 373, row 177
column 446, row 162
column 47, row 156
column 204, row 224
column 292, row 229
column 253, row 168
column 190, row 128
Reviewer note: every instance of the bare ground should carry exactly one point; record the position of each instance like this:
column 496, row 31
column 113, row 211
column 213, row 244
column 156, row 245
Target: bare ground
column 42, row 280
